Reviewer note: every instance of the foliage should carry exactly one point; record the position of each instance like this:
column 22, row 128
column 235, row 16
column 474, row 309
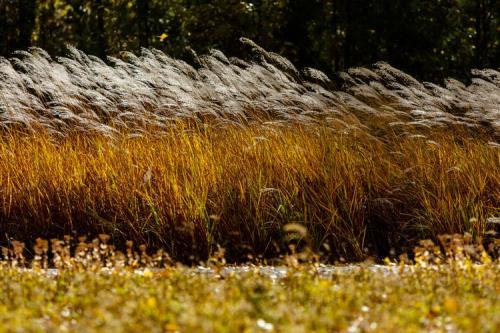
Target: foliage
column 430, row 39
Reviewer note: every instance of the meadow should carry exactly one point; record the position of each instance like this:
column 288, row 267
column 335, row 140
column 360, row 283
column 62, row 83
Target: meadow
column 442, row 300
column 117, row 177
column 250, row 190
column 96, row 290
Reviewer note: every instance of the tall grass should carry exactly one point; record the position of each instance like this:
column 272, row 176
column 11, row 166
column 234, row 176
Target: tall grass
column 82, row 93
column 227, row 152
column 196, row 188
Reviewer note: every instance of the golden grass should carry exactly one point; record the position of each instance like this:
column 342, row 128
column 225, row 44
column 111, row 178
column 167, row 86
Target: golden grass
column 194, row 188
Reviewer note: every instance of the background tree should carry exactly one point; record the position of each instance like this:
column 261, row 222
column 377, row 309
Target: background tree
column 430, row 39
column 26, row 19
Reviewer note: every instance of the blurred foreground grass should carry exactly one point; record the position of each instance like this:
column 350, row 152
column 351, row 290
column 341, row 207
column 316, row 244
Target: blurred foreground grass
column 457, row 297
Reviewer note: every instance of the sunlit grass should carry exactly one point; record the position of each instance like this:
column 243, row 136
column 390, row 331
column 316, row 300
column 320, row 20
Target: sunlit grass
column 193, row 189
column 236, row 161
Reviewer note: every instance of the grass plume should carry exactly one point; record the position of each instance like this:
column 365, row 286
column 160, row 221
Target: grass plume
column 82, row 93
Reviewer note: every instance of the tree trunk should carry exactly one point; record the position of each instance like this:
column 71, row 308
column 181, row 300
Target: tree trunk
column 26, row 19
column 484, row 14
column 143, row 17
column 100, row 34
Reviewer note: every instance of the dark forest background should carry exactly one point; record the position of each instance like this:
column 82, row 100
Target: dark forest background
column 431, row 39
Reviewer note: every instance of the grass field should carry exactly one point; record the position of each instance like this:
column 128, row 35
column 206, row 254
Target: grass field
column 460, row 297
column 247, row 155
column 147, row 162
column 450, row 287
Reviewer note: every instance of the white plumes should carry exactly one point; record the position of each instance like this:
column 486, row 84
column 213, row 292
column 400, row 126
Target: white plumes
column 428, row 104
column 136, row 93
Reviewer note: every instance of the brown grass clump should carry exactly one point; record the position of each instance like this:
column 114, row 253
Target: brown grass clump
column 192, row 190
